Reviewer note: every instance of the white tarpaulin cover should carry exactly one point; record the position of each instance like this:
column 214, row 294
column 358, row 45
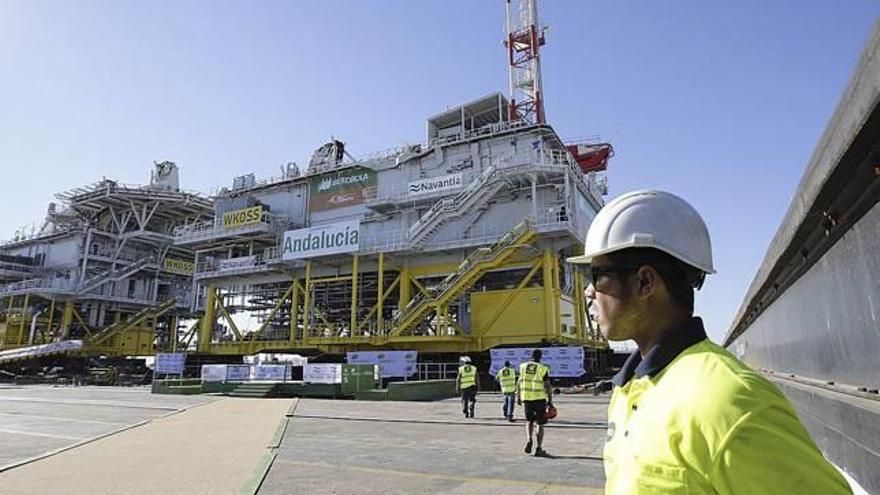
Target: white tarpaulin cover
column 322, row 373
column 392, row 364
column 563, row 361
column 40, row 350
column 213, row 372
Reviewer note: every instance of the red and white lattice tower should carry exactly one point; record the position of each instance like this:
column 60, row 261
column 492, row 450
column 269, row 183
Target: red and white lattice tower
column 524, row 39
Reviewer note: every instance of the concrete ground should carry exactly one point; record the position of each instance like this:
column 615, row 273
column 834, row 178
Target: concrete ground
column 211, row 444
column 209, row 449
column 343, row 447
column 37, row 419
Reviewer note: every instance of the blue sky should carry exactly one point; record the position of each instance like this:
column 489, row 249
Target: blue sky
column 719, row 102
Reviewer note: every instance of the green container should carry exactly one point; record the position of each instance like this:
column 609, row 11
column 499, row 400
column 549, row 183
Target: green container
column 358, row 378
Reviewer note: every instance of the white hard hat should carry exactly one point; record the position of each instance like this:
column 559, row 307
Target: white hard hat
column 650, row 219
column 465, row 359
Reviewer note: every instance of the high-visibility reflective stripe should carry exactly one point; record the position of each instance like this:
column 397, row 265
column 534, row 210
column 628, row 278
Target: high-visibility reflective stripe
column 531, row 381
column 507, row 378
column 467, row 376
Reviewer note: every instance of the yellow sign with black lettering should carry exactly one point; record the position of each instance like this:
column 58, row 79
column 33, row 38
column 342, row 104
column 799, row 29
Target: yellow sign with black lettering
column 238, row 218
column 179, row 266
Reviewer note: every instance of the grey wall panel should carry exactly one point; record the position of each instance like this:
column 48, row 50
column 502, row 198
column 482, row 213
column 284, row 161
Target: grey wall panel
column 826, row 325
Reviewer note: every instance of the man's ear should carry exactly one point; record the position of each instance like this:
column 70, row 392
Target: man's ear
column 646, row 281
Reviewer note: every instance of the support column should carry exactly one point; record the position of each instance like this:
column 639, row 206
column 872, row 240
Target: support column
column 354, row 295
column 66, row 320
column 380, row 322
column 307, row 305
column 206, row 329
column 51, row 319
column 24, row 308
column 405, row 290
column 294, row 311
column 547, row 272
column 173, row 332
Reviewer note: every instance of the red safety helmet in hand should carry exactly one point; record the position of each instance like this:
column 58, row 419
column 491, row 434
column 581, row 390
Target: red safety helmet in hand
column 551, row 412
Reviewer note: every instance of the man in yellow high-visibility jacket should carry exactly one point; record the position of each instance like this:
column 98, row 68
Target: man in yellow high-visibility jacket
column 467, row 383
column 535, row 394
column 685, row 415
column 506, row 377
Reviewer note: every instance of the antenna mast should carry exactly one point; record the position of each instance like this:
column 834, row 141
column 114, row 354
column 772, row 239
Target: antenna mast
column 524, row 39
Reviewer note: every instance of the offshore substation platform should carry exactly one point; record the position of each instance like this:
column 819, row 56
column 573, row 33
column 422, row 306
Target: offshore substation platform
column 455, row 245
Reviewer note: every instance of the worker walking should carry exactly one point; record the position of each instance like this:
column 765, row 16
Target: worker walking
column 466, row 383
column 535, row 394
column 685, row 415
column 506, row 377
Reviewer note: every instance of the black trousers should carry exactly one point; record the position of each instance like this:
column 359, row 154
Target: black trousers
column 468, row 399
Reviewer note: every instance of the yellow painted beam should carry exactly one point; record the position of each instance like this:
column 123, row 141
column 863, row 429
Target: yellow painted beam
column 228, row 318
column 501, row 308
column 206, row 329
column 294, row 311
column 354, row 294
column 375, row 308
column 380, row 321
column 307, row 305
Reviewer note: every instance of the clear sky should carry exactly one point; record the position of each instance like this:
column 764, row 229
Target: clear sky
column 719, row 102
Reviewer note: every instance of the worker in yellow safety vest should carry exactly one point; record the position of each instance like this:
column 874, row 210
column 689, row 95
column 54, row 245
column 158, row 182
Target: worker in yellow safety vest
column 685, row 415
column 466, row 382
column 535, row 394
column 506, row 377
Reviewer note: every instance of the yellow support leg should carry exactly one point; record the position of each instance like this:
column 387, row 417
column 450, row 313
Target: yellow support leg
column 405, row 289
column 294, row 311
column 307, row 305
column 380, row 322
column 208, row 321
column 548, row 293
column 24, row 308
column 354, row 295
column 66, row 319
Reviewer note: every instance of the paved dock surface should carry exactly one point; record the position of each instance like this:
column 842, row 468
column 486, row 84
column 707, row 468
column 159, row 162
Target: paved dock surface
column 347, row 447
column 128, row 441
column 37, row 419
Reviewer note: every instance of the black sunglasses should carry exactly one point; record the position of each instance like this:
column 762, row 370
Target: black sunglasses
column 594, row 272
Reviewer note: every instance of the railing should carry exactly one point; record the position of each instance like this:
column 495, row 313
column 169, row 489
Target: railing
column 208, row 229
column 435, row 371
column 480, row 132
column 69, row 285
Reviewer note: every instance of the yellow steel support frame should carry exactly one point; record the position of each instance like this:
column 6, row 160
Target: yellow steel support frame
column 66, row 319
column 273, row 312
column 380, row 322
column 51, row 319
column 228, row 318
column 405, row 288
column 82, row 322
column 307, row 305
column 509, row 299
column 354, row 295
column 375, row 308
column 578, row 303
column 208, row 320
column 294, row 311
column 24, row 308
column 549, row 285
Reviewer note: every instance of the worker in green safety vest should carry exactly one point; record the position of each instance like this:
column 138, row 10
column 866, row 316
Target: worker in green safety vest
column 506, row 377
column 466, row 382
column 685, row 415
column 535, row 394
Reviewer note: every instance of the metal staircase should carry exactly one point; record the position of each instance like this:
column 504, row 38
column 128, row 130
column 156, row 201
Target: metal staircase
column 149, row 312
column 115, row 274
column 470, row 270
column 474, row 196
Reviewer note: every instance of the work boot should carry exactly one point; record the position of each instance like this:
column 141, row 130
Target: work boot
column 539, row 452
column 528, row 449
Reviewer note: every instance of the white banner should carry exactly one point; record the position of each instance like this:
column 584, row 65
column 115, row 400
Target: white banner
column 236, row 263
column 213, row 372
column 274, row 372
column 435, row 184
column 322, row 373
column 563, row 361
column 238, row 373
column 392, row 364
column 322, row 240
column 170, row 363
